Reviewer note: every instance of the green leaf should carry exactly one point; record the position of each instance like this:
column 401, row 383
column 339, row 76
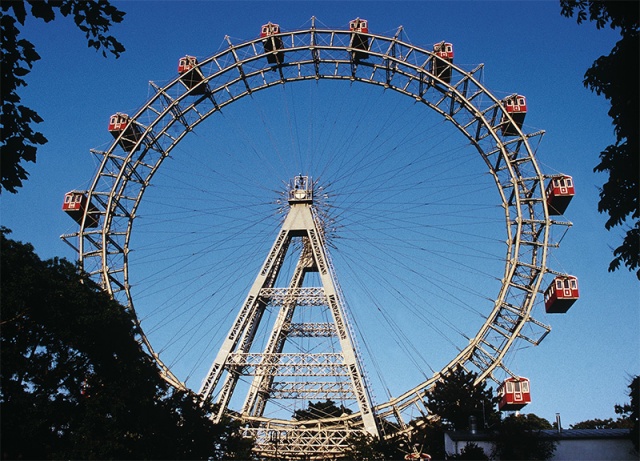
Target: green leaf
column 41, row 9
column 20, row 71
column 18, row 10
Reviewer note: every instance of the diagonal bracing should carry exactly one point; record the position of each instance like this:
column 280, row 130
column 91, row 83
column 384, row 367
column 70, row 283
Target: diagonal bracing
column 323, row 372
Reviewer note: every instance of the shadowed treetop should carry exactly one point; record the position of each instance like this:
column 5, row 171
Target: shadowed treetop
column 20, row 140
column 616, row 77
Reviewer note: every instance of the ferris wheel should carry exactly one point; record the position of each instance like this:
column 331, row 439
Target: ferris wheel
column 419, row 193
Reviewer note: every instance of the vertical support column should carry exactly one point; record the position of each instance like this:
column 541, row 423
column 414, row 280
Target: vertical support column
column 340, row 321
column 299, row 223
column 248, row 312
column 262, row 382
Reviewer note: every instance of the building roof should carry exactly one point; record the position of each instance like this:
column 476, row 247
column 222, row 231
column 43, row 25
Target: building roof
column 470, row 436
column 568, row 434
column 565, row 434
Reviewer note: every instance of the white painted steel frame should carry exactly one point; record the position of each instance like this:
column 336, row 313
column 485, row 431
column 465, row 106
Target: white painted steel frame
column 241, row 69
column 234, row 360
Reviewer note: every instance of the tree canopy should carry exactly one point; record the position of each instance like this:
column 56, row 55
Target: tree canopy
column 598, row 423
column 456, row 398
column 630, row 412
column 20, row 140
column 616, row 77
column 75, row 383
column 318, row 410
column 519, row 438
column 365, row 446
column 471, row 452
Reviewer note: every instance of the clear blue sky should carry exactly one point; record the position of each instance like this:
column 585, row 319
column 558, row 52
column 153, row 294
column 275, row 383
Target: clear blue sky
column 583, row 367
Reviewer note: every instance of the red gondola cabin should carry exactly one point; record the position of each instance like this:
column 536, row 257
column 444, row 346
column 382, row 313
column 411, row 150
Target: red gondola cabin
column 75, row 203
column 559, row 193
column 191, row 75
column 120, row 124
column 272, row 42
column 514, row 394
column 561, row 294
column 186, row 63
column 441, row 67
column 358, row 41
column 516, row 106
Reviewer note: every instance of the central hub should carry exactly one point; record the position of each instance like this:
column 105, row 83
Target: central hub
column 301, row 190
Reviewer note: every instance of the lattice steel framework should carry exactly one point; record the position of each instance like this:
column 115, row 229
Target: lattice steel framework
column 331, row 374
column 313, row 54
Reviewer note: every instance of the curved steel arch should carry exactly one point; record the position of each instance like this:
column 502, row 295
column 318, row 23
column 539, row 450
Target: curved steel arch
column 242, row 69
